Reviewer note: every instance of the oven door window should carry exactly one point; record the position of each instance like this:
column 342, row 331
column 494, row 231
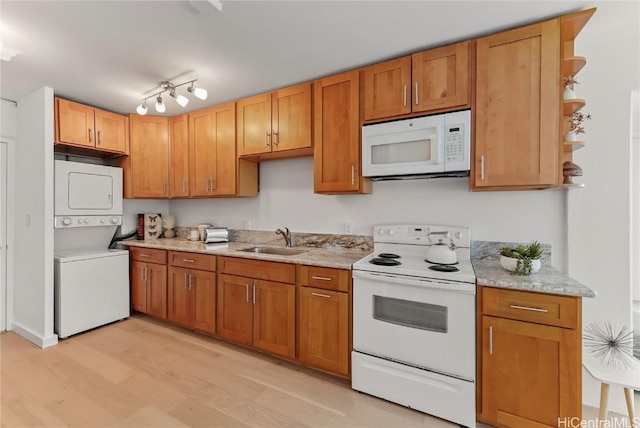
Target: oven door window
column 423, row 316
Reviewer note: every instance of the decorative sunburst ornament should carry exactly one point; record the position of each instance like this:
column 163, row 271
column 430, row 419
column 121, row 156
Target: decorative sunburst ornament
column 612, row 347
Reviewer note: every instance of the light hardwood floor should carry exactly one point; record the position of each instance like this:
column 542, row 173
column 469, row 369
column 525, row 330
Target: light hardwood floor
column 143, row 373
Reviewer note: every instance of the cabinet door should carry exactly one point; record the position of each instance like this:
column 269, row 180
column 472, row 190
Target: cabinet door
column 517, row 108
column 149, row 156
column 323, row 329
column 529, row 373
column 202, row 148
column 179, row 155
column 75, row 123
column 274, row 318
column 179, row 296
column 138, row 287
column 387, row 89
column 157, row 290
column 110, row 131
column 291, row 118
column 254, row 125
column 235, row 308
column 336, row 161
column 224, row 132
column 203, row 300
column 441, row 78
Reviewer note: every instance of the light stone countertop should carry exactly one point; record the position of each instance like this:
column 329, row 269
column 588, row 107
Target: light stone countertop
column 324, row 257
column 548, row 279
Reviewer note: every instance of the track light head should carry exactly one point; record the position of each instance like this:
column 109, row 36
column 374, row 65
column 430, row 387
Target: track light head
column 142, row 108
column 180, row 99
column 160, row 107
column 198, row 92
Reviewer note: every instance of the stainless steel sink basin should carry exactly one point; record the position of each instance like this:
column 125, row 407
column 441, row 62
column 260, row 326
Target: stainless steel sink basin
column 271, row 250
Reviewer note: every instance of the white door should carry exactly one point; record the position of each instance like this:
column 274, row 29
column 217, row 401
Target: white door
column 3, row 236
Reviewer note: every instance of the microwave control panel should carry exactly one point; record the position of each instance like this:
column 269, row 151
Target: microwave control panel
column 454, row 143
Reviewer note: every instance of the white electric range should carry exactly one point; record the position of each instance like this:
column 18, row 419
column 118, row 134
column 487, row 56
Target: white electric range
column 413, row 326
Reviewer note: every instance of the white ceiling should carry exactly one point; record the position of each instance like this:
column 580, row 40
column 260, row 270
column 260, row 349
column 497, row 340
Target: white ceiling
column 110, row 54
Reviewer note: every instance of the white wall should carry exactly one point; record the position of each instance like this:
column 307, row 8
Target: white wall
column 286, row 198
column 33, row 225
column 635, row 195
column 599, row 215
column 8, row 119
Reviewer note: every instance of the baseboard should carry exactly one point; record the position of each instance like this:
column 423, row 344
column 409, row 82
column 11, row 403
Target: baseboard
column 36, row 339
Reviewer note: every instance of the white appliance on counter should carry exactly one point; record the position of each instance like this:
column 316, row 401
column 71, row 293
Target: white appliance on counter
column 414, row 322
column 91, row 282
column 421, row 147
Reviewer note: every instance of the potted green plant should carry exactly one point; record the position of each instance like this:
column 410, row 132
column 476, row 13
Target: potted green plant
column 522, row 259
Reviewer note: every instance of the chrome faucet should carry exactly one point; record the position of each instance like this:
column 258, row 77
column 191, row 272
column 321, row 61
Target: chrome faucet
column 286, row 234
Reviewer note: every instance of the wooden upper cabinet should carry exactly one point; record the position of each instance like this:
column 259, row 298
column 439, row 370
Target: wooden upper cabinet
column 84, row 126
column 276, row 125
column 202, row 149
column 336, row 163
column 179, row 156
column 227, row 168
column 441, row 78
column 516, row 124
column 148, row 161
column 431, row 81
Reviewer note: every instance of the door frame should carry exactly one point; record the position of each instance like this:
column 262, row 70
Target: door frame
column 7, row 146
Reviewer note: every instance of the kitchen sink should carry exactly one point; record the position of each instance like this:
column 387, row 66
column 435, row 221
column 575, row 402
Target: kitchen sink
column 271, row 250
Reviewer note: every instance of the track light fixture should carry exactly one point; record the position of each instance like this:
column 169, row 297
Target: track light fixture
column 180, row 99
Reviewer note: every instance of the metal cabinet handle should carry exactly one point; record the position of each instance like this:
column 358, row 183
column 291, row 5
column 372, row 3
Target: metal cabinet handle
column 247, row 288
column 164, row 188
column 254, row 294
column 144, row 255
column 188, row 260
column 353, row 175
column 142, row 273
column 326, row 296
column 481, row 167
column 98, row 137
column 404, row 100
column 185, row 280
column 90, row 139
column 190, row 283
column 321, row 278
column 416, row 93
column 529, row 308
column 206, row 184
column 213, row 182
column 184, row 186
column 266, row 138
column 490, row 340
column 275, row 138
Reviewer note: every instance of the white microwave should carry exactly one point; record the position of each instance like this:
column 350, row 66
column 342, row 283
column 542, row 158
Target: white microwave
column 422, row 147
column 87, row 194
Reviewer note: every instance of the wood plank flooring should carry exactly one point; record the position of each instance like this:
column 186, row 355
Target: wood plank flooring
column 144, row 373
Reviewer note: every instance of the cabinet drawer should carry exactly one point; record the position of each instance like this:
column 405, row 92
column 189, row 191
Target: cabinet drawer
column 192, row 260
column 148, row 255
column 270, row 271
column 561, row 311
column 325, row 278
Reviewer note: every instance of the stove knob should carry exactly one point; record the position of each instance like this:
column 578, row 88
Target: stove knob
column 66, row 221
column 114, row 220
column 391, row 232
column 381, row 231
column 79, row 221
column 86, row 221
column 102, row 220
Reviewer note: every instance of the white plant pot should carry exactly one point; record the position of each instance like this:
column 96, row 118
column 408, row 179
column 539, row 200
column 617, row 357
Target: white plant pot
column 568, row 94
column 570, row 136
column 510, row 264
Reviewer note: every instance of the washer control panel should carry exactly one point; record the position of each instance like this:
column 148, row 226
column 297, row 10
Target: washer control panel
column 63, row 222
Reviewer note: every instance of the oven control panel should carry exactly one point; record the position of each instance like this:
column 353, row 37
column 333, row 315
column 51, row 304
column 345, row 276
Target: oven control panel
column 65, row 222
column 421, row 234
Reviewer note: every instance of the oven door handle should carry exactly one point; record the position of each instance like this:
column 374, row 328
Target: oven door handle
column 413, row 281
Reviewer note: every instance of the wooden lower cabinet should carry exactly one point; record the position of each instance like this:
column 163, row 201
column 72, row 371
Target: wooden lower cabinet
column 530, row 370
column 192, row 298
column 149, row 288
column 323, row 329
column 257, row 313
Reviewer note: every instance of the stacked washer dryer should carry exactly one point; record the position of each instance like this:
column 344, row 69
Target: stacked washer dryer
column 91, row 280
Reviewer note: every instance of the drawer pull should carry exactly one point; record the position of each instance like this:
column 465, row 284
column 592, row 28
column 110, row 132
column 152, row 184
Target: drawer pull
column 321, row 278
column 490, row 340
column 144, row 255
column 326, row 296
column 188, row 260
column 527, row 308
